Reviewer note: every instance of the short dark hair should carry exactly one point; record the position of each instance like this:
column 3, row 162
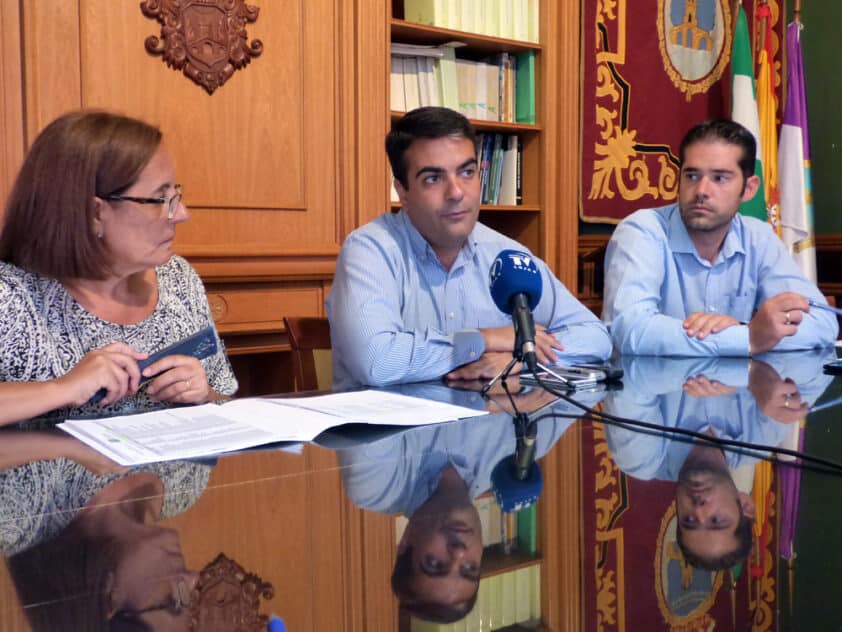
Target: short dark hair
column 402, row 576
column 48, row 225
column 728, row 131
column 743, row 533
column 426, row 122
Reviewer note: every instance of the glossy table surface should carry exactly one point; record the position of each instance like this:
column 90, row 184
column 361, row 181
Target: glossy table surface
column 635, row 528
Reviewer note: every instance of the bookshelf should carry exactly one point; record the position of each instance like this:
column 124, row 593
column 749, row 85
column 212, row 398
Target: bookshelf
column 526, row 221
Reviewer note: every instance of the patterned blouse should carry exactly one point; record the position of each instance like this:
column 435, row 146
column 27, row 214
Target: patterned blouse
column 44, row 332
column 40, row 499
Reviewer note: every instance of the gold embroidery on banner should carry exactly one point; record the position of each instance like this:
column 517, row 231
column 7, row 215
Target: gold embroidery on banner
column 616, row 12
column 762, row 598
column 621, row 165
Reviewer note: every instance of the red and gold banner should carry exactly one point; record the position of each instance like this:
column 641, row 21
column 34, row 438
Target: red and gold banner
column 651, row 70
column 635, row 577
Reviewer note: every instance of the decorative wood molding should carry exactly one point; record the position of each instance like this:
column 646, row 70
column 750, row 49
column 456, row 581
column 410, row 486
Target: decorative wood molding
column 227, row 597
column 245, row 269
column 205, row 38
column 560, row 32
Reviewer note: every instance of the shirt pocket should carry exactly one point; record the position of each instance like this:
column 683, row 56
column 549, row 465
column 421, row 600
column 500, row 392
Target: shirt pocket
column 742, row 306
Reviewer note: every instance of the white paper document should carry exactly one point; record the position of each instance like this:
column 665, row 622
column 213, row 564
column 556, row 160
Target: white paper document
column 194, row 431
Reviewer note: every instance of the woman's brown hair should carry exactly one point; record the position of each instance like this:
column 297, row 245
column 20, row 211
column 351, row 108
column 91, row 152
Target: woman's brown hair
column 48, row 227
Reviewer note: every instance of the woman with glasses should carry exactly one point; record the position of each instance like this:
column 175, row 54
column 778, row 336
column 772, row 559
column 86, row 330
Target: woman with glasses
column 89, row 284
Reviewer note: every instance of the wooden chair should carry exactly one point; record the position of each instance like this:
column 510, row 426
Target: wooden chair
column 310, row 340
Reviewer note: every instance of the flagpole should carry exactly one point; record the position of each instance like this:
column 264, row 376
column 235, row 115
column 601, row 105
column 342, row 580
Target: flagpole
column 796, row 12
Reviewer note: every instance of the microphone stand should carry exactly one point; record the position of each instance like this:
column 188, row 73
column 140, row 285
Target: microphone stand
column 517, row 356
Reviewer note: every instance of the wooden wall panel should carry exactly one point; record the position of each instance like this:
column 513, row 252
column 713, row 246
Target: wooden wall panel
column 51, row 62
column 11, row 98
column 258, row 158
column 250, row 308
column 277, row 515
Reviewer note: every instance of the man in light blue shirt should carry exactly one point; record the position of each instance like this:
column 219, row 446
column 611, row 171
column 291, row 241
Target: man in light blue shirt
column 697, row 278
column 410, row 299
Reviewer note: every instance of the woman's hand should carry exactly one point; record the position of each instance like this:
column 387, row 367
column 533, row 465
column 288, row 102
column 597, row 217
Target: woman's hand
column 180, row 379
column 114, row 368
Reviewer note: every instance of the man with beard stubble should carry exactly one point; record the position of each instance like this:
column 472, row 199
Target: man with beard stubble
column 696, row 278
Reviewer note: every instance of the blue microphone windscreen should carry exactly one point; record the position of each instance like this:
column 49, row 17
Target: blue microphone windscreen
column 514, row 272
column 511, row 494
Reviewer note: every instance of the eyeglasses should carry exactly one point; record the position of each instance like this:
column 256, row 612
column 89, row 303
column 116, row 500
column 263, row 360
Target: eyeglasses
column 172, row 203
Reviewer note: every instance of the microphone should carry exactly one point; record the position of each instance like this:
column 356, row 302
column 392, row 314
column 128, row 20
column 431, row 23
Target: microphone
column 516, row 480
column 515, row 284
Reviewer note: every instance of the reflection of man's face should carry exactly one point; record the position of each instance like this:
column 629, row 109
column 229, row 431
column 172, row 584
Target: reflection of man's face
column 709, row 509
column 446, row 553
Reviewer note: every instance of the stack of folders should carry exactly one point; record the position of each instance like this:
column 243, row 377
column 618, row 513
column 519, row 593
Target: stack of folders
column 510, row 19
column 506, row 599
column 499, row 88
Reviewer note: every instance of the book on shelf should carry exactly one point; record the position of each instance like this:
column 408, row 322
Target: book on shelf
column 410, row 83
column 525, row 88
column 498, row 159
column 397, row 98
column 417, row 50
column 527, row 531
column 508, row 179
column 484, row 90
column 510, row 19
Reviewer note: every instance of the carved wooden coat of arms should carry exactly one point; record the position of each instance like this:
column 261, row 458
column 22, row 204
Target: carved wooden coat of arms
column 206, row 38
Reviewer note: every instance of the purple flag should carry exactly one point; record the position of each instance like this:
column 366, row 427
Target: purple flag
column 794, row 162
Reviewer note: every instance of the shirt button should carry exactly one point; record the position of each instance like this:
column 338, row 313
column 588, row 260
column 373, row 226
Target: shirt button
column 472, row 354
column 451, row 315
column 712, row 308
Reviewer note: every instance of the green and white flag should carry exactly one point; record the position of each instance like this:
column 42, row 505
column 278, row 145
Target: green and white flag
column 744, row 106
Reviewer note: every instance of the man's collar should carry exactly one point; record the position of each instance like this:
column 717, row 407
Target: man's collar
column 422, row 248
column 680, row 241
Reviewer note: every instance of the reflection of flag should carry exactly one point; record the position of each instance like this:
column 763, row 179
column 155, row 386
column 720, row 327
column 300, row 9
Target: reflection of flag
column 794, row 162
column 767, row 113
column 744, row 104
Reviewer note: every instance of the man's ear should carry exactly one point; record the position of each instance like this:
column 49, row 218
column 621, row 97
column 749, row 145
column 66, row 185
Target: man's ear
column 401, row 191
column 747, row 505
column 403, row 545
column 752, row 184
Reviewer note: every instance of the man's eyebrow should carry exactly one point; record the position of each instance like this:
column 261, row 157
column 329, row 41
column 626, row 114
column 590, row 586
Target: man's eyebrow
column 429, row 170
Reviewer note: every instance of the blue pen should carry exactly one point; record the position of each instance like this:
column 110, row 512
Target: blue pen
column 276, row 624
column 835, row 310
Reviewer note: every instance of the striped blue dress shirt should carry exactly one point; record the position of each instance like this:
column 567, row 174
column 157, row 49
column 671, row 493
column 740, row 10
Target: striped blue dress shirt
column 655, row 278
column 396, row 315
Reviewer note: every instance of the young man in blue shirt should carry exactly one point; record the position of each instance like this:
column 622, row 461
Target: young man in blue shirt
column 696, row 277
column 410, row 299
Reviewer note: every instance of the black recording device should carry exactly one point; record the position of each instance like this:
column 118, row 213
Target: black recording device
column 833, row 368
column 200, row 345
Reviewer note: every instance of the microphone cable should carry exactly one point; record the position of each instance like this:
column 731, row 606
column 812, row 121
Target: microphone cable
column 592, row 414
